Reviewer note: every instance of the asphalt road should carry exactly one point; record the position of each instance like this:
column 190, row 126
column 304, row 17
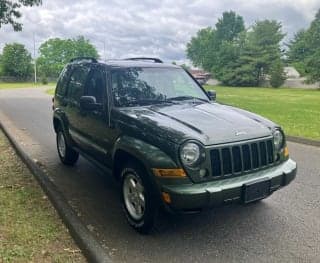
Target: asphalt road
column 283, row 228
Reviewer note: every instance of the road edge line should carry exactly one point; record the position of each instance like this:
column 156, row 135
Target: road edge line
column 89, row 246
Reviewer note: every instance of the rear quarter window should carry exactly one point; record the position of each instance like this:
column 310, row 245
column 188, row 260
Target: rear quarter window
column 63, row 81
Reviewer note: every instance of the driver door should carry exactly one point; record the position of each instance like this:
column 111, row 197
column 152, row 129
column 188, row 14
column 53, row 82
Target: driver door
column 95, row 122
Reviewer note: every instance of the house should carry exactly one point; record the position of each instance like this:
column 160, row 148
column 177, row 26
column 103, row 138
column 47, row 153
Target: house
column 200, row 75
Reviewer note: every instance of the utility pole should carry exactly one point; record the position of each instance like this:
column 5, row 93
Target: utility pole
column 34, row 59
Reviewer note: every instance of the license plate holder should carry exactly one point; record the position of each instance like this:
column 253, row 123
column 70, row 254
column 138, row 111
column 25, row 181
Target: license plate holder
column 256, row 190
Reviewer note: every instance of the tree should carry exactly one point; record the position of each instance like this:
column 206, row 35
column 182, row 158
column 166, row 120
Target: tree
column 236, row 56
column 304, row 51
column 313, row 45
column 277, row 74
column 55, row 53
column 16, row 61
column 201, row 49
column 240, row 70
column 9, row 12
column 229, row 26
column 298, row 48
column 212, row 48
column 298, row 51
column 226, row 62
column 263, row 47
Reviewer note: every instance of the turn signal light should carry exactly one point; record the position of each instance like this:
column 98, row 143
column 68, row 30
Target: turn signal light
column 286, row 151
column 169, row 172
column 166, row 197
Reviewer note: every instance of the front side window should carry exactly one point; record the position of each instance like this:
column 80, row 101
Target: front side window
column 77, row 82
column 139, row 86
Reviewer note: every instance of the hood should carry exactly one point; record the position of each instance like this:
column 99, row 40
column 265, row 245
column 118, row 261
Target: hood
column 209, row 123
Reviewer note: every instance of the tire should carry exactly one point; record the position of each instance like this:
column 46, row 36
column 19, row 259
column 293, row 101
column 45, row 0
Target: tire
column 137, row 191
column 67, row 155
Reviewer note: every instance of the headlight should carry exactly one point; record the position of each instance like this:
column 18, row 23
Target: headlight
column 190, row 154
column 278, row 140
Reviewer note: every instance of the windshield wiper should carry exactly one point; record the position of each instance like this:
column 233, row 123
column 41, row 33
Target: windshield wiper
column 186, row 98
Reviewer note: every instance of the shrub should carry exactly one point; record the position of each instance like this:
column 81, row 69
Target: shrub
column 44, row 80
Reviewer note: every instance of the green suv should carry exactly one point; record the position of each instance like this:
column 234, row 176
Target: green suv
column 165, row 139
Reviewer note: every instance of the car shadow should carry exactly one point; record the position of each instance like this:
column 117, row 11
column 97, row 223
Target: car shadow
column 95, row 197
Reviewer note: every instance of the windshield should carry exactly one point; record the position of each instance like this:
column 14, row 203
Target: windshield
column 138, row 86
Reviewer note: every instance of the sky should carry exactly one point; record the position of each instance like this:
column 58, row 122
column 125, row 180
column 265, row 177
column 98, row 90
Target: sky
column 147, row 28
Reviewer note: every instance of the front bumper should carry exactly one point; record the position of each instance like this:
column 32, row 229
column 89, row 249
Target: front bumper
column 197, row 196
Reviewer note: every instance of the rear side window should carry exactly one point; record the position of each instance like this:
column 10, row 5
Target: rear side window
column 96, row 85
column 63, row 81
column 77, row 82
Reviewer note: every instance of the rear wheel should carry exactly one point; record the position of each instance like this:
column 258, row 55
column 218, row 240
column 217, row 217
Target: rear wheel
column 139, row 201
column 67, row 155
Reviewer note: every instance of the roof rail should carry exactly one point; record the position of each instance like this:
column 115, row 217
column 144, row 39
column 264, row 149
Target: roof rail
column 92, row 59
column 155, row 60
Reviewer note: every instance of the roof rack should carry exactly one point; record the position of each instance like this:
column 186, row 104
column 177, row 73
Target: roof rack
column 155, row 60
column 92, row 59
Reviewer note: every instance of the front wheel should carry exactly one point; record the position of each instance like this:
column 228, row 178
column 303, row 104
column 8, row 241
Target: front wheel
column 67, row 155
column 139, row 201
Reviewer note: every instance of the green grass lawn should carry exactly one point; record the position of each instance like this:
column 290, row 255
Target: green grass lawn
column 30, row 229
column 296, row 110
column 50, row 91
column 16, row 85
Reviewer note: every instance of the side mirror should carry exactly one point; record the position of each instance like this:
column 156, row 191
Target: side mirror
column 89, row 103
column 212, row 94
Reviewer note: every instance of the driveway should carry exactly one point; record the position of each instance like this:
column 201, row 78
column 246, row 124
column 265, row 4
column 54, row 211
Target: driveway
column 283, row 228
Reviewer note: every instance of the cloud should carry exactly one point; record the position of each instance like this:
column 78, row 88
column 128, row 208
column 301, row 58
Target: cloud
column 155, row 28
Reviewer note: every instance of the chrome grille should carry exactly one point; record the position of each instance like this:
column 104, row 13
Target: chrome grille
column 241, row 158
